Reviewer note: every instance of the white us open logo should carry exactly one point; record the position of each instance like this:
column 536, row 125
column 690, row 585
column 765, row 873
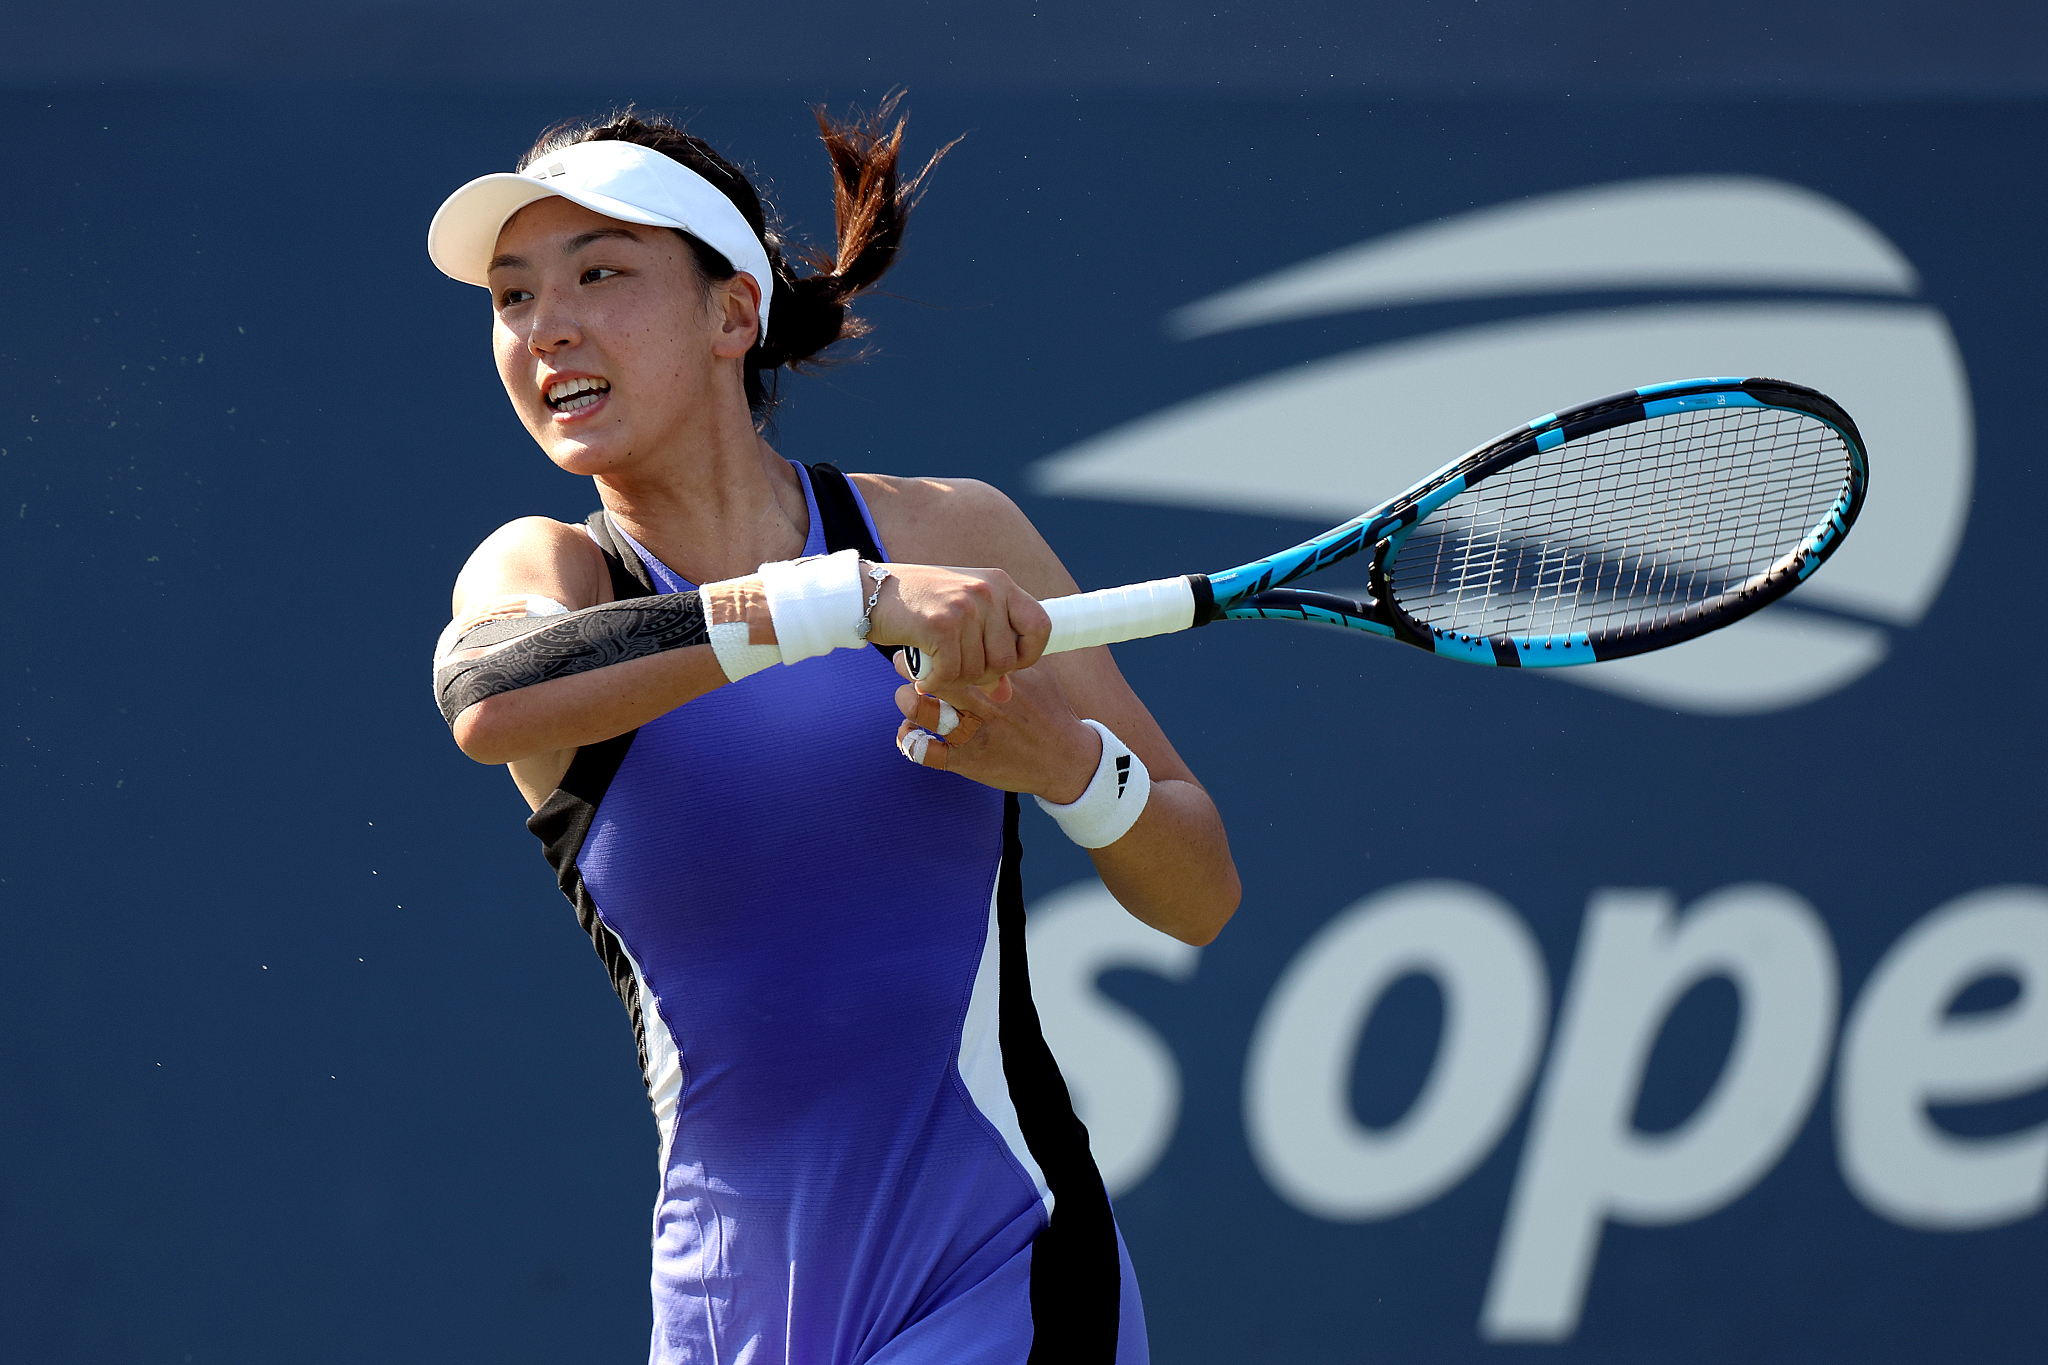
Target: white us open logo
column 1322, row 441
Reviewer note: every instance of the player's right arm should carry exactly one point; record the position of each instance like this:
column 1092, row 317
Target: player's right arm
column 537, row 729
column 513, row 701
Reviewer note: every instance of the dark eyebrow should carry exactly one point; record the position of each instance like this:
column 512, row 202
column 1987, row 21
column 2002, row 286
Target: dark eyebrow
column 574, row 245
column 584, row 239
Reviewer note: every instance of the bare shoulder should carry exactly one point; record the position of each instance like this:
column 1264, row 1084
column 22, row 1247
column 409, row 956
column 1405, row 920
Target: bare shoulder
column 964, row 523
column 536, row 556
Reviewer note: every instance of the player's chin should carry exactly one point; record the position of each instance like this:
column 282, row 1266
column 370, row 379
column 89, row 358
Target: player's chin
column 573, row 455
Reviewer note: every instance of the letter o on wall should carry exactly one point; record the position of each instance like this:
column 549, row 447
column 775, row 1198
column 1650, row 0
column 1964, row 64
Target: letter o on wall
column 1305, row 1137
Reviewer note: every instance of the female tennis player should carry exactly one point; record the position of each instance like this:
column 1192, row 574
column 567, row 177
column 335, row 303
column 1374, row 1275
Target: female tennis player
column 807, row 897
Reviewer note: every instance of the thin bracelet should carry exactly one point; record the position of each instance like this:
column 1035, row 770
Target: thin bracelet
column 867, row 617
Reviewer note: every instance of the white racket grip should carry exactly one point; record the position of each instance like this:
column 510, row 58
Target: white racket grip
column 1107, row 617
column 1111, row 615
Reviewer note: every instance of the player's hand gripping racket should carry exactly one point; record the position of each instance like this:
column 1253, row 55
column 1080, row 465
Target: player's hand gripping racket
column 1609, row 529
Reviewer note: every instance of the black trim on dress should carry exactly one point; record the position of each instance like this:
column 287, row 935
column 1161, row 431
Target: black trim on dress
column 845, row 527
column 1076, row 1273
column 563, row 821
column 561, row 824
column 629, row 576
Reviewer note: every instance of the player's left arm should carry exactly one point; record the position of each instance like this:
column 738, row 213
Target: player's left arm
column 1172, row 868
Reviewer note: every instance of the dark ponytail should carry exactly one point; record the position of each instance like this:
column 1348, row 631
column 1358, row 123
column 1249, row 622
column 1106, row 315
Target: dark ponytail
column 870, row 208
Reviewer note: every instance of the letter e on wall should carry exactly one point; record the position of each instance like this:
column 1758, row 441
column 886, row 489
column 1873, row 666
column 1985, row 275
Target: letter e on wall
column 1903, row 1050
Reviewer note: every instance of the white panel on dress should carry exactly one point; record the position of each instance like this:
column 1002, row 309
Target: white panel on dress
column 664, row 1058
column 981, row 1056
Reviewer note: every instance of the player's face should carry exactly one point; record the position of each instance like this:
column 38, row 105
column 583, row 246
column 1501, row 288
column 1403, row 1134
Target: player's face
column 610, row 344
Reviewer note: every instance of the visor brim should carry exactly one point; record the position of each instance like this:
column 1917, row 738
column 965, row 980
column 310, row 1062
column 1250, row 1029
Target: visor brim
column 463, row 237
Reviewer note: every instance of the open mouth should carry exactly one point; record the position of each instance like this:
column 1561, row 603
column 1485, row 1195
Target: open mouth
column 572, row 395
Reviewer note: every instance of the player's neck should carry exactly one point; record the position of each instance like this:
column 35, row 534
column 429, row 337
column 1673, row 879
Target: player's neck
column 725, row 504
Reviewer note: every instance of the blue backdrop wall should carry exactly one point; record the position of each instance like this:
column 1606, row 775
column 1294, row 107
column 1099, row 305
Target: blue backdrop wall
column 1695, row 1012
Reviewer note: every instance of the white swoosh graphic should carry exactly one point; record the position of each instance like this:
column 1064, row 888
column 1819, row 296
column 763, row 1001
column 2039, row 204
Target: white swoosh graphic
column 1679, row 232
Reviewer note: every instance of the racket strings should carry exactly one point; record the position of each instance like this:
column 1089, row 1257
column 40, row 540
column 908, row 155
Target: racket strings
column 1624, row 530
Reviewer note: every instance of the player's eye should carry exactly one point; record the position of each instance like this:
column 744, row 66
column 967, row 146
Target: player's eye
column 596, row 273
column 508, row 297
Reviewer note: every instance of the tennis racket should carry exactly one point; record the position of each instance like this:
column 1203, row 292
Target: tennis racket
column 1613, row 528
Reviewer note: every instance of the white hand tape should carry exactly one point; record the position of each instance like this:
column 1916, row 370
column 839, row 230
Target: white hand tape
column 737, row 654
column 732, row 641
column 913, row 746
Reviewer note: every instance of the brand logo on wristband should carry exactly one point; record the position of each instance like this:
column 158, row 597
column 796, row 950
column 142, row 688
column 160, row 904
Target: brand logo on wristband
column 1123, row 774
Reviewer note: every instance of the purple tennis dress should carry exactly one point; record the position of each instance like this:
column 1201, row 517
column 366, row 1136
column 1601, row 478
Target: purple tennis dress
column 867, row 1152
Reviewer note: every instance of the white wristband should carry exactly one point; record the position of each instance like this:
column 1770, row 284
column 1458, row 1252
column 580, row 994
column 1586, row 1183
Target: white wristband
column 1114, row 800
column 815, row 603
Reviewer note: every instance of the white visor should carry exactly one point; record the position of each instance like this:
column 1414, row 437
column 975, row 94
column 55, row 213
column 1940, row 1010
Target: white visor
column 621, row 180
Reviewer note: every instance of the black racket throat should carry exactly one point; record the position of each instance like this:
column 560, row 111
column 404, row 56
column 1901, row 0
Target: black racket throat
column 1380, row 609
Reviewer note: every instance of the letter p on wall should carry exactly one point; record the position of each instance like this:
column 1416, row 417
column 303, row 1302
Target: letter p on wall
column 1585, row 1163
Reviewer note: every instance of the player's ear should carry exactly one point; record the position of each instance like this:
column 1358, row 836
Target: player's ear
column 739, row 302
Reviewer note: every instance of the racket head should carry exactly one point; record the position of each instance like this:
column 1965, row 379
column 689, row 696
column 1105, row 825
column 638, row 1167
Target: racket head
column 1616, row 527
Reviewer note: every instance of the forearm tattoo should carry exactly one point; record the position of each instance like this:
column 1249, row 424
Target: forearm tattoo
column 524, row 650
